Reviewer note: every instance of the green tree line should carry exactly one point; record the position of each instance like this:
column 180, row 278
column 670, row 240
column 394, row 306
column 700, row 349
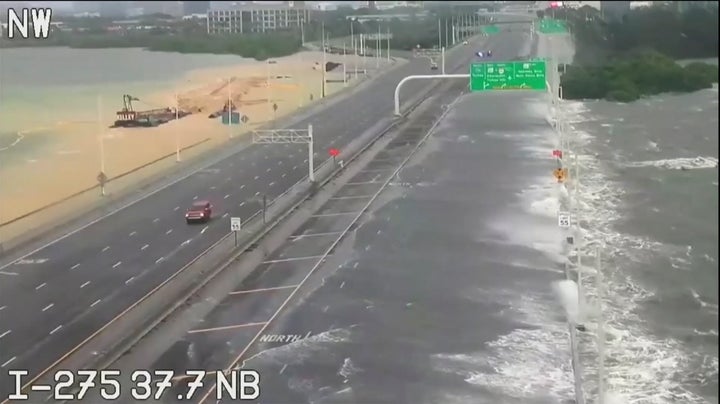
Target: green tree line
column 636, row 56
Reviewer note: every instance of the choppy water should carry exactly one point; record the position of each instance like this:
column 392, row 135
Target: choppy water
column 650, row 190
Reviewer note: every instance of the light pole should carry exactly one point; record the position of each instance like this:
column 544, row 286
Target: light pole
column 354, row 45
column 388, row 45
column 177, row 131
column 324, row 63
column 268, row 85
column 229, row 107
column 344, row 66
column 101, row 144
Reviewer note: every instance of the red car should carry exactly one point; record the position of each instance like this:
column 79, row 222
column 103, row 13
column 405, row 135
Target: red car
column 200, row 211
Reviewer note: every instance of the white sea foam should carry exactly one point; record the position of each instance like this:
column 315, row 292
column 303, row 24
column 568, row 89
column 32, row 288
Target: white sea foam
column 640, row 368
column 681, row 163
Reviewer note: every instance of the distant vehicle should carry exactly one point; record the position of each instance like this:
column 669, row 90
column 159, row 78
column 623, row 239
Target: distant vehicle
column 465, row 42
column 200, row 211
column 433, row 66
column 485, row 54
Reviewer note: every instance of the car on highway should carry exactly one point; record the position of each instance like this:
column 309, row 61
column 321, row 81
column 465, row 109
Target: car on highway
column 200, row 211
column 486, row 54
column 465, row 42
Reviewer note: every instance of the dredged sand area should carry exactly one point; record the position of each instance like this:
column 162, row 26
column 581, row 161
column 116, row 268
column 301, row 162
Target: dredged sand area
column 68, row 161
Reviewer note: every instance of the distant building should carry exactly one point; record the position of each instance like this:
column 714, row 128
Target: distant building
column 257, row 18
column 614, row 10
column 195, row 7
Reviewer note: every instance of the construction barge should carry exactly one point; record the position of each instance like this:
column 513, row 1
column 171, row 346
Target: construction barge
column 127, row 117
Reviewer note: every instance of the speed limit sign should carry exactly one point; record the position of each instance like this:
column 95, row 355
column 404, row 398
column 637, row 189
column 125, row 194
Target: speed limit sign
column 563, row 220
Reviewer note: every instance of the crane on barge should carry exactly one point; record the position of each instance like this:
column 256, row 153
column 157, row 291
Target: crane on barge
column 128, row 117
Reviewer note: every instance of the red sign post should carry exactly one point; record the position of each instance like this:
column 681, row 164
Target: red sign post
column 557, row 153
column 334, row 153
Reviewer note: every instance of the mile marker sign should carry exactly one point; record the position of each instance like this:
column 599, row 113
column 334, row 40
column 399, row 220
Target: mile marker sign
column 235, row 224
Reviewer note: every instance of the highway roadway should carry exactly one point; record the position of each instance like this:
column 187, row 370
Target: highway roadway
column 239, row 326
column 55, row 297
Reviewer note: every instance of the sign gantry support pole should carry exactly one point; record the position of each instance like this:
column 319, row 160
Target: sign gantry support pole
column 283, row 136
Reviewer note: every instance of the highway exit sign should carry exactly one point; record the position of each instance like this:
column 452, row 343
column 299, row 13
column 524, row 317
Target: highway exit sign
column 528, row 75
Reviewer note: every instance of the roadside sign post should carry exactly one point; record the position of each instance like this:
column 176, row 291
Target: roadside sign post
column 564, row 220
column 102, row 180
column 333, row 152
column 527, row 75
column 281, row 136
column 235, row 226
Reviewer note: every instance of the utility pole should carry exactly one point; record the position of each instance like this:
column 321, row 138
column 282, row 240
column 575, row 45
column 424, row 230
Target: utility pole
column 302, row 31
column 388, row 44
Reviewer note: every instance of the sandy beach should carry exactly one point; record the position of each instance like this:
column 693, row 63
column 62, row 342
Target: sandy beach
column 70, row 161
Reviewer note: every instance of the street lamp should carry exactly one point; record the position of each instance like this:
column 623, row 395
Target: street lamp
column 102, row 177
column 269, row 87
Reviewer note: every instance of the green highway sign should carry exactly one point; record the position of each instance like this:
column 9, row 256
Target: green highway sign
column 550, row 26
column 529, row 75
column 491, row 29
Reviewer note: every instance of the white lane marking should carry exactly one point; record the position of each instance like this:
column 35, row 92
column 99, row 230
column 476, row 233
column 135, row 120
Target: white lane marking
column 107, row 247
column 268, row 170
column 242, row 292
column 226, row 196
column 225, row 215
column 97, row 220
column 9, row 361
column 95, row 302
column 117, row 264
column 40, row 286
column 186, row 242
column 144, row 247
column 335, row 214
column 257, row 193
column 176, row 208
column 212, row 187
column 242, row 186
column 204, row 230
column 242, row 203
column 305, row 161
column 283, row 176
column 2, row 308
column 156, row 220
column 299, row 236
column 9, row 273
column 355, row 265
column 169, row 231
column 279, row 162
column 294, row 167
column 55, row 330
column 271, row 184
column 351, row 197
column 283, row 369
column 256, row 177
column 291, row 259
column 342, row 284
column 195, row 197
column 48, row 307
column 5, row 333
column 132, row 233
column 157, row 261
column 32, row 261
column 291, row 156
column 129, row 280
column 266, row 157
column 84, row 284
column 228, row 179
column 363, row 182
